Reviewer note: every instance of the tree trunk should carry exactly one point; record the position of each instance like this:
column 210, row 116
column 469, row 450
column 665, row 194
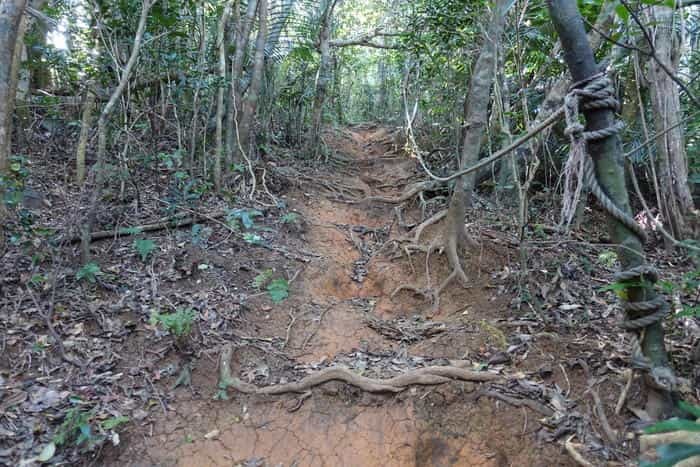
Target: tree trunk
column 475, row 118
column 250, row 102
column 676, row 198
column 235, row 94
column 609, row 168
column 11, row 12
column 85, row 125
column 102, row 122
column 324, row 78
column 220, row 103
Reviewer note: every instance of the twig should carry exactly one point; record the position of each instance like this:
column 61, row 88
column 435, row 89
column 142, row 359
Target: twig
column 576, row 456
column 623, row 396
column 313, row 333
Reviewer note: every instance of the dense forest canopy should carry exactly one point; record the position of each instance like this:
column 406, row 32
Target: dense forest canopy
column 388, row 194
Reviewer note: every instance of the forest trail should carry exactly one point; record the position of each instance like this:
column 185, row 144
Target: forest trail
column 341, row 310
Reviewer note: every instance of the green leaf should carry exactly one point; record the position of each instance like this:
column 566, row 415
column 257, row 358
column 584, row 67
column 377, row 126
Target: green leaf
column 144, row 247
column 623, row 13
column 253, row 238
column 261, row 279
column 693, row 410
column 675, row 424
column 90, row 272
column 290, row 218
column 688, row 312
column 278, row 290
column 112, row 423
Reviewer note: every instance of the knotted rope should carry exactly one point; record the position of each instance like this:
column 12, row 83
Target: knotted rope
column 598, row 93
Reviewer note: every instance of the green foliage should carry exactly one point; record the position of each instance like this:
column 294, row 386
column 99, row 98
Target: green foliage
column 113, row 422
column 253, row 239
column 244, row 216
column 144, row 247
column 89, row 271
column 290, row 218
column 200, row 234
column 676, row 424
column 671, row 454
column 690, row 409
column 75, row 429
column 178, row 323
column 263, row 278
column 607, row 259
column 278, row 290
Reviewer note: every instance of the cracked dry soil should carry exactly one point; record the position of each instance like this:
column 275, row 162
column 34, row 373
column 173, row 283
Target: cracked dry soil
column 332, row 297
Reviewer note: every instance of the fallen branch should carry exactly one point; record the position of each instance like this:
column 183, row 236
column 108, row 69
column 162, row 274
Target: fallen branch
column 170, row 223
column 428, row 376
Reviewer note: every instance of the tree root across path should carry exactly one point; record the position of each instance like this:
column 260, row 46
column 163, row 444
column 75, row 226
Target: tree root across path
column 427, row 376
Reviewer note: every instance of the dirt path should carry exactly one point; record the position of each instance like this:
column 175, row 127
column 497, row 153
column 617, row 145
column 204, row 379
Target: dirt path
column 340, row 309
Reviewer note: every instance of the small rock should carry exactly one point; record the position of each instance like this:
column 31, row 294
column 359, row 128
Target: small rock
column 212, row 434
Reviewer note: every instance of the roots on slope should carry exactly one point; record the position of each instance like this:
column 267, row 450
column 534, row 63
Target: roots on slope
column 455, row 241
column 427, row 376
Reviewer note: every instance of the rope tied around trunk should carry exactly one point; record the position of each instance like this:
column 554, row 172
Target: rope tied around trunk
column 598, row 93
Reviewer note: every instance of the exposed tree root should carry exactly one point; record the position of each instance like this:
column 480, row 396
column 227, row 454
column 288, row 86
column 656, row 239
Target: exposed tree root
column 408, row 193
column 455, row 240
column 427, row 376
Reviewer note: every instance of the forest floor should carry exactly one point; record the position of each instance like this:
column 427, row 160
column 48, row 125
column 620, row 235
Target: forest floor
column 551, row 333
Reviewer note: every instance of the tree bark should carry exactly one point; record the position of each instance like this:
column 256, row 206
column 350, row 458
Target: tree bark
column 475, row 117
column 250, row 102
column 609, row 168
column 85, row 125
column 243, row 27
column 676, row 198
column 323, row 79
column 220, row 102
column 11, row 12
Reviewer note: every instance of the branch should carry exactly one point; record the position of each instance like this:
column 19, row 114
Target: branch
column 554, row 118
column 366, row 40
column 41, row 17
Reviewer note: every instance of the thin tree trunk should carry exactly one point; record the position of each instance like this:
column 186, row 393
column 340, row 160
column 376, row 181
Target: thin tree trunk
column 194, row 130
column 220, row 103
column 11, row 12
column 475, row 118
column 676, row 199
column 324, row 77
column 235, row 94
column 102, row 123
column 250, row 102
column 609, row 169
column 85, row 125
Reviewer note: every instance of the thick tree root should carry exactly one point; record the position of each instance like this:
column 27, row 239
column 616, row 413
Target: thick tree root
column 410, row 192
column 428, row 376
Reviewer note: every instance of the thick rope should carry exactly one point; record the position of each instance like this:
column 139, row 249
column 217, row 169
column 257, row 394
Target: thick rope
column 598, row 93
